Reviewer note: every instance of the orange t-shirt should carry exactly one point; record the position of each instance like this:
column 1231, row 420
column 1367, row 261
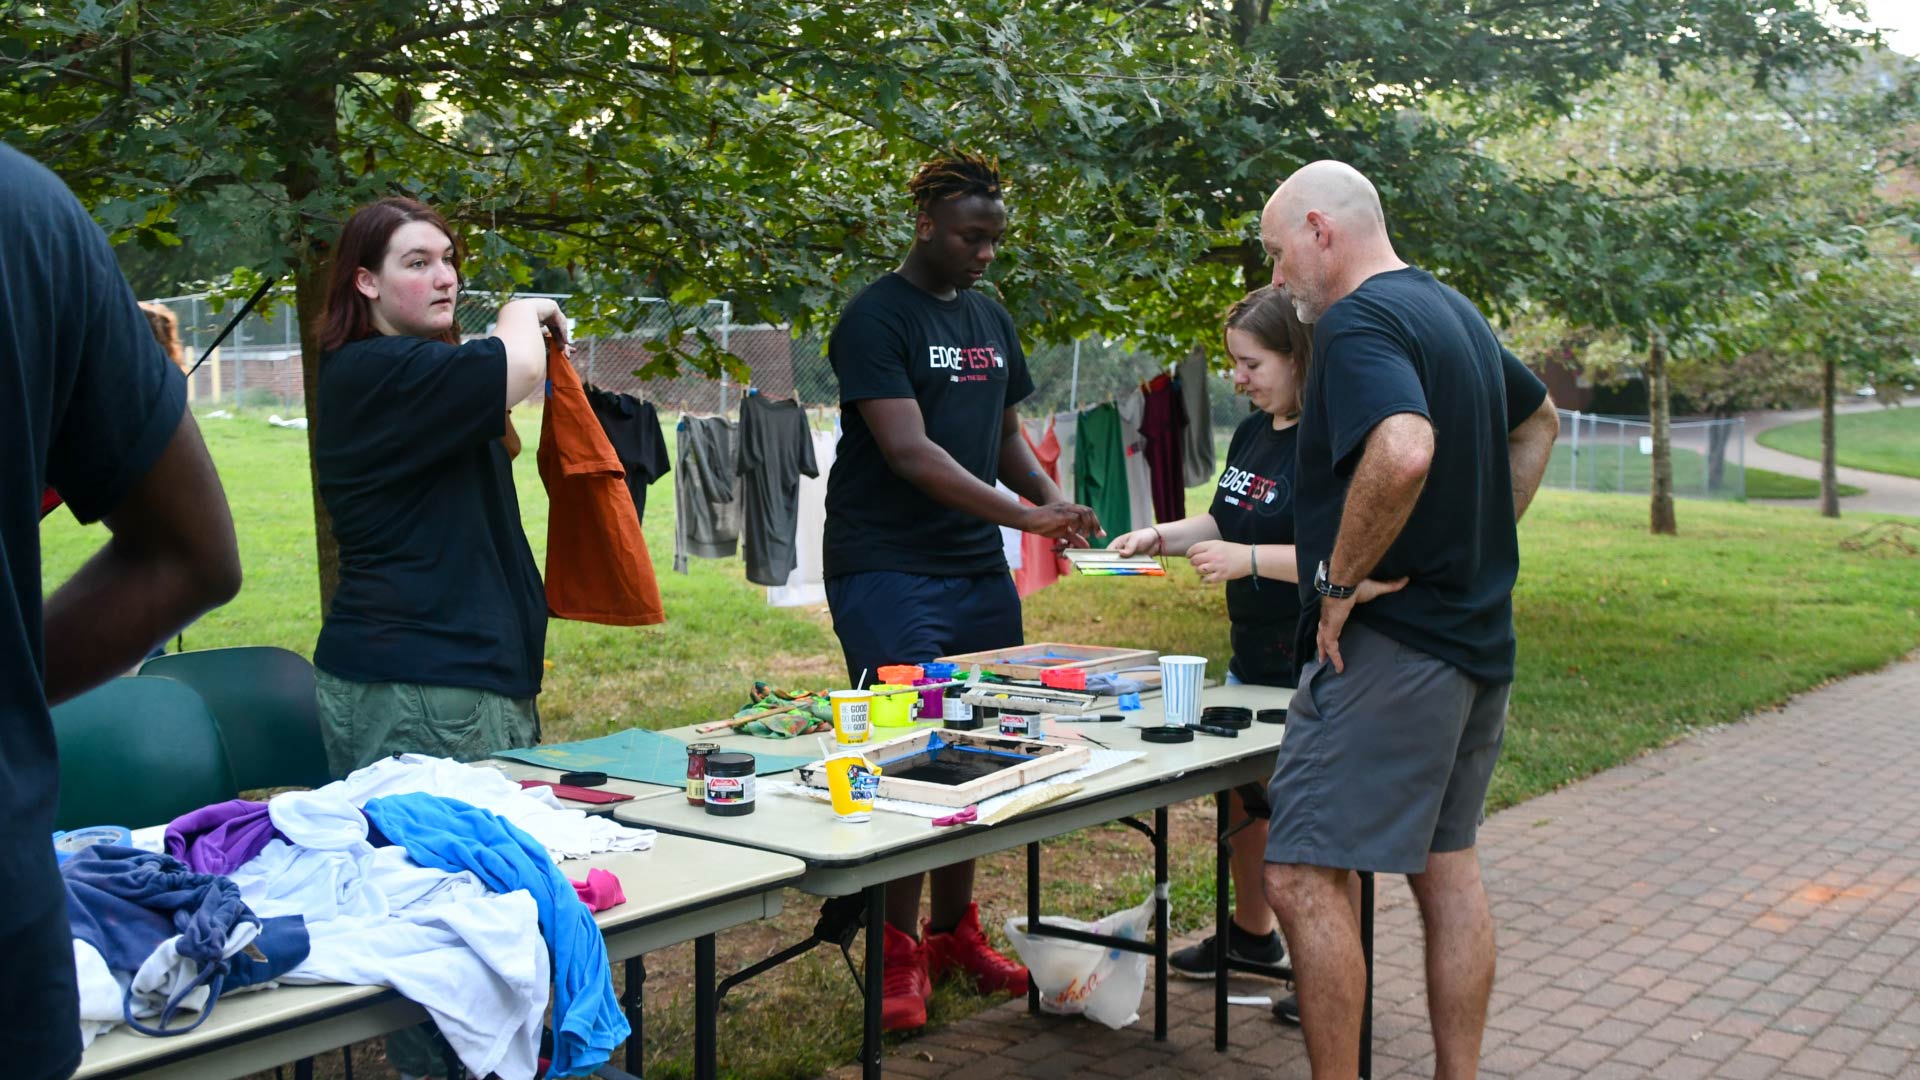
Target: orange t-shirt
column 598, row 569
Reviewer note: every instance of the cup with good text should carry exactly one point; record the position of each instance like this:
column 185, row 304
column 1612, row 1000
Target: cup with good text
column 852, row 716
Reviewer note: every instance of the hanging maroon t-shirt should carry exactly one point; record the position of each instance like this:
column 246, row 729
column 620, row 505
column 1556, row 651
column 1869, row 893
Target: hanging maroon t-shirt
column 1163, row 426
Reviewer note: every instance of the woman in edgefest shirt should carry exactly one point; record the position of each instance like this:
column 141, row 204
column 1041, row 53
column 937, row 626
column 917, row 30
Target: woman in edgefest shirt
column 1245, row 537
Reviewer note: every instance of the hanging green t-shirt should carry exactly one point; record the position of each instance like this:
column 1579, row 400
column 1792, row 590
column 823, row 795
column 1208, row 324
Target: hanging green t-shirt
column 1100, row 469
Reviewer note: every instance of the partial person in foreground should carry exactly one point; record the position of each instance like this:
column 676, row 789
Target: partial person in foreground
column 94, row 410
column 1422, row 440
column 1245, row 537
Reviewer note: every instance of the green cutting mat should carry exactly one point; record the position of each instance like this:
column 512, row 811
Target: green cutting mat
column 646, row 757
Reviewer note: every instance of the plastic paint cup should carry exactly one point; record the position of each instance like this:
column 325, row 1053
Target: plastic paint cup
column 1180, row 688
column 852, row 781
column 852, row 716
column 894, row 705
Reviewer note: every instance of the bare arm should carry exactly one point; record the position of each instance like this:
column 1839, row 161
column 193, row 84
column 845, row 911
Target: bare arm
column 518, row 326
column 1529, row 447
column 901, row 432
column 1167, row 538
column 171, row 557
column 1386, row 483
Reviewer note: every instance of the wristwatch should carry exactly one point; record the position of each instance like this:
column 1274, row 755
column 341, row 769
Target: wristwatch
column 1327, row 588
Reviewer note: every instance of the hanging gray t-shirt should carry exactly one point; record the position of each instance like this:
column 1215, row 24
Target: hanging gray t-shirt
column 1198, row 462
column 706, row 510
column 776, row 449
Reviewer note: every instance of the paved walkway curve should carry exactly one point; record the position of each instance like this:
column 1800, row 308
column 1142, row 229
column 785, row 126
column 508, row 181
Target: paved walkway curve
column 1743, row 904
column 1885, row 493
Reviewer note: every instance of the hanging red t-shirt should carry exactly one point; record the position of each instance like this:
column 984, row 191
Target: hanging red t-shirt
column 598, row 569
column 1164, row 426
column 1040, row 565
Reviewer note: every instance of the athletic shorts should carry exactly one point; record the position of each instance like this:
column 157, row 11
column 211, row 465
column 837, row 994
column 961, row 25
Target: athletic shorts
column 39, row 998
column 892, row 617
column 1385, row 763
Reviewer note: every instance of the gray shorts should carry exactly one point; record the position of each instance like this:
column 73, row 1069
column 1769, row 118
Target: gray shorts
column 1385, row 763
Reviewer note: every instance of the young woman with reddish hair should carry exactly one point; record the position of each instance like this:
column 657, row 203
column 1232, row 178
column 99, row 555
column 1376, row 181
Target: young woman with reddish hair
column 433, row 643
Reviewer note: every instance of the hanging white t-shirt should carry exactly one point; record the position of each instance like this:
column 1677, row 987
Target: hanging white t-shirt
column 806, row 585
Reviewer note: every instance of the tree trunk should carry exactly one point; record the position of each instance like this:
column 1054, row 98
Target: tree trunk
column 314, row 125
column 1254, row 269
column 1661, row 521
column 1829, row 474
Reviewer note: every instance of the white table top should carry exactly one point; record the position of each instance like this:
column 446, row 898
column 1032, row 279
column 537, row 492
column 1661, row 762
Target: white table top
column 681, row 889
column 808, row 829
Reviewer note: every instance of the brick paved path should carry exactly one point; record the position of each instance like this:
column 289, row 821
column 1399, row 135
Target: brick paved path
column 1740, row 905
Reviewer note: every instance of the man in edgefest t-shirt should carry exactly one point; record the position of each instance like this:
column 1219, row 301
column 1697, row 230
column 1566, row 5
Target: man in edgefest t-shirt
column 930, row 371
column 1422, row 440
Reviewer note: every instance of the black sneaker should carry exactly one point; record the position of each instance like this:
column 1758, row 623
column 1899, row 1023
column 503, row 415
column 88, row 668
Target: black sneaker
column 1200, row 961
column 1287, row 1010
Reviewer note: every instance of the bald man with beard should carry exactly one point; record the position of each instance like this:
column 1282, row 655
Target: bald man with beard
column 1422, row 440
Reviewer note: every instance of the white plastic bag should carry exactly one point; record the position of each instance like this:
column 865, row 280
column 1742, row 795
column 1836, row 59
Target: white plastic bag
column 1074, row 977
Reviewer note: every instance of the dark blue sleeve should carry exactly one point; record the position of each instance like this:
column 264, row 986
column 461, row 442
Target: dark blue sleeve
column 1368, row 377
column 870, row 359
column 1525, row 391
column 407, row 402
column 127, row 397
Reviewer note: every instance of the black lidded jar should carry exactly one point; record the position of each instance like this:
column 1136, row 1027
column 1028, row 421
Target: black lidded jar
column 730, row 784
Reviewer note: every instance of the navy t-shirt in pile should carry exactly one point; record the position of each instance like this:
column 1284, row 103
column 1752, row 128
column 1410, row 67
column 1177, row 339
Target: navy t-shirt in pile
column 1253, row 504
column 89, row 404
column 1404, row 343
column 961, row 360
column 437, row 583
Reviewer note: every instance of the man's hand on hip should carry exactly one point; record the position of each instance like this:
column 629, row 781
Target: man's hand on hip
column 1333, row 619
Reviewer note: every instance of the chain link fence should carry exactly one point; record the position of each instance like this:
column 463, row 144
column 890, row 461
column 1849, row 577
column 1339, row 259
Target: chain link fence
column 259, row 363
column 1615, row 454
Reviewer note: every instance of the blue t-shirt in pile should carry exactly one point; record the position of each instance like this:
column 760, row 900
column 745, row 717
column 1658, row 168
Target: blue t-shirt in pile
column 1404, row 343
column 87, row 404
column 437, row 583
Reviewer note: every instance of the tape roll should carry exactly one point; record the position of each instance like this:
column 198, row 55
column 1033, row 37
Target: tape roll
column 68, row 844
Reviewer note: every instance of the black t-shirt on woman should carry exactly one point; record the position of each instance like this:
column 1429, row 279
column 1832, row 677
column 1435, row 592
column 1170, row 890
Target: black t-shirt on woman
column 1253, row 504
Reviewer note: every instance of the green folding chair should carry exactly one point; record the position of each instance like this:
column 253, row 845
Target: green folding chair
column 262, row 699
column 138, row 752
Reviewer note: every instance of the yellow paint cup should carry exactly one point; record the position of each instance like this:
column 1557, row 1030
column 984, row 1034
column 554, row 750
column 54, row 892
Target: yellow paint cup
column 852, row 781
column 852, row 716
column 894, row 705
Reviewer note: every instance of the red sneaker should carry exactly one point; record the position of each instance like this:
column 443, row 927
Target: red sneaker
column 967, row 949
column 904, row 985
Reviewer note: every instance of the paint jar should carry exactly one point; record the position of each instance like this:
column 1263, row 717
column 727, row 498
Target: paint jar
column 1023, row 725
column 729, row 784
column 894, row 704
column 899, row 674
column 697, row 754
column 852, row 716
column 955, row 713
column 931, row 702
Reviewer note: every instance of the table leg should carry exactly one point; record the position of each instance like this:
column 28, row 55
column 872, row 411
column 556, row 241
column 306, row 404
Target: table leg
column 1161, row 911
column 870, row 1047
column 1366, row 949
column 706, row 1012
column 1033, row 917
column 1222, row 874
column 635, row 1004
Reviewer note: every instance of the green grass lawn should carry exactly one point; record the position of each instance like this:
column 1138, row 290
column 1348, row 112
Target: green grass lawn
column 1878, row 440
column 1605, row 469
column 1627, row 642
